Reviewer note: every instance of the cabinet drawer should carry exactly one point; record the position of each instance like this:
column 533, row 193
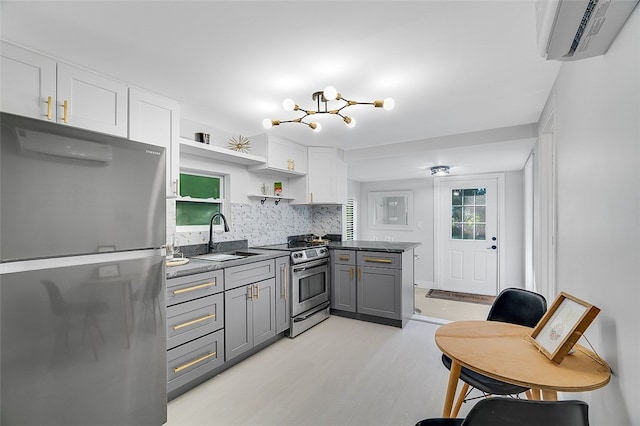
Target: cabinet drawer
column 344, row 257
column 183, row 289
column 237, row 276
column 190, row 320
column 380, row 259
column 193, row 359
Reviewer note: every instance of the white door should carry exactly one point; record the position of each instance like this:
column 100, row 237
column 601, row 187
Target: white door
column 468, row 241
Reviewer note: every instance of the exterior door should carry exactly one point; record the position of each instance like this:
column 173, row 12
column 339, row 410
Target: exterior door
column 468, row 235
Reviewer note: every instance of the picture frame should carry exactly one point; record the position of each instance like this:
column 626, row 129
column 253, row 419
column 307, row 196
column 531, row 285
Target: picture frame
column 562, row 325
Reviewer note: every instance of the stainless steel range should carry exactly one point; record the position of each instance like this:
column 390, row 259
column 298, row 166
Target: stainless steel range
column 309, row 283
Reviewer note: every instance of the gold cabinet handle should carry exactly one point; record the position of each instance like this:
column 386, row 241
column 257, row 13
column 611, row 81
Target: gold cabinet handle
column 65, row 111
column 377, row 260
column 194, row 288
column 195, row 321
column 312, row 197
column 359, row 273
column 283, row 276
column 344, row 257
column 351, row 272
column 194, row 362
column 250, row 292
column 293, row 165
column 49, row 107
column 257, row 291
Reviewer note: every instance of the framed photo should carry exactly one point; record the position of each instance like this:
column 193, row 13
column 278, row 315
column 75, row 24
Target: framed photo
column 562, row 325
column 108, row 271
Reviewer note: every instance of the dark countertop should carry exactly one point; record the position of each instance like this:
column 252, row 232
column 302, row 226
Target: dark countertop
column 196, row 266
column 383, row 246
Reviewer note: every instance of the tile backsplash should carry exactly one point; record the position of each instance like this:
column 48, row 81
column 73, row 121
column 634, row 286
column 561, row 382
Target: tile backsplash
column 263, row 224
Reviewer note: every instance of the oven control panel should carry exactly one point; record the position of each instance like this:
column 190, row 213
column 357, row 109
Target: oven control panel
column 309, row 254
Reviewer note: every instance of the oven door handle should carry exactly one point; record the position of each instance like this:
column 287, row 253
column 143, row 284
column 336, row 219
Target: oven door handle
column 310, row 266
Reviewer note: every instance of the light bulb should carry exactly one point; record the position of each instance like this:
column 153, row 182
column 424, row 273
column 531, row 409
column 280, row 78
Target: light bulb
column 388, row 104
column 316, row 127
column 288, row 104
column 330, row 93
column 266, row 123
column 351, row 122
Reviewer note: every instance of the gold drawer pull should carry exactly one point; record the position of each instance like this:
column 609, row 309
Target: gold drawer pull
column 345, row 257
column 195, row 287
column 377, row 260
column 49, row 106
column 194, row 362
column 195, row 321
column 65, row 111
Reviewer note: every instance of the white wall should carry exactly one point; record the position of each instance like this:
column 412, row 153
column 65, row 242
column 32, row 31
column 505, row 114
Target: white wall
column 423, row 202
column 598, row 260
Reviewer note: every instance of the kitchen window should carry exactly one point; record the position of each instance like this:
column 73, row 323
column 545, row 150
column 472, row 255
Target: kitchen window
column 201, row 196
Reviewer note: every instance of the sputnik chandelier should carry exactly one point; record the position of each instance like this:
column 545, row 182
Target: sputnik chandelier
column 324, row 97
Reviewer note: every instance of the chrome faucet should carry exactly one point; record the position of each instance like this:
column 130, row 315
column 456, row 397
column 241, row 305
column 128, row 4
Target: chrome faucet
column 226, row 227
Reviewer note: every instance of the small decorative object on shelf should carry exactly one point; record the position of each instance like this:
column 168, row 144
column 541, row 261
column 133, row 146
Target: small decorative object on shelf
column 203, row 137
column 241, row 144
column 277, row 188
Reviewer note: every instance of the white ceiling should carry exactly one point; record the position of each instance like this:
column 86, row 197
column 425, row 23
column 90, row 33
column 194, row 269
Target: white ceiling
column 466, row 77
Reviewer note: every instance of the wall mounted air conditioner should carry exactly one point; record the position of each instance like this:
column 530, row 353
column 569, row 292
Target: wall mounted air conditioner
column 575, row 29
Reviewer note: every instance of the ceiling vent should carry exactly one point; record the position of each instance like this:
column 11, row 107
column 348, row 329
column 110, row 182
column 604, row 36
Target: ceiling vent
column 569, row 30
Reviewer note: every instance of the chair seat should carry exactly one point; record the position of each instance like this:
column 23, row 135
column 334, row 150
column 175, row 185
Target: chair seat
column 484, row 383
column 440, row 422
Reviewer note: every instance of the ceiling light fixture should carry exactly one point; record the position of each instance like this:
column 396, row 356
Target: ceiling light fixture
column 325, row 96
column 439, row 170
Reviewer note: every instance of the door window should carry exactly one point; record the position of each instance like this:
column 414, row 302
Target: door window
column 468, row 214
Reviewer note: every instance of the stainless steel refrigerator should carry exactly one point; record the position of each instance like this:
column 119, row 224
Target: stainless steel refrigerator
column 82, row 277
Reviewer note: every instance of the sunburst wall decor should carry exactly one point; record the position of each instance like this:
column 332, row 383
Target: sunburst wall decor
column 241, row 144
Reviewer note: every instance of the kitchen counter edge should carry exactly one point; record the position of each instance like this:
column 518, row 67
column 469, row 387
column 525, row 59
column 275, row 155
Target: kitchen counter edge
column 381, row 246
column 196, row 266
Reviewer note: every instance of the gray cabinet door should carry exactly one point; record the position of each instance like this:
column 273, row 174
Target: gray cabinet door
column 380, row 292
column 343, row 288
column 282, row 294
column 238, row 318
column 264, row 311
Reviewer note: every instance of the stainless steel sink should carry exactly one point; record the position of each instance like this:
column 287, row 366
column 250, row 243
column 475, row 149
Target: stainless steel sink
column 223, row 257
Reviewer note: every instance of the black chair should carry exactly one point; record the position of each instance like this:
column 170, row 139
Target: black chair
column 519, row 412
column 512, row 305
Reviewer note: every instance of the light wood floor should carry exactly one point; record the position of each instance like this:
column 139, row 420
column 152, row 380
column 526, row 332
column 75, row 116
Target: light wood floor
column 341, row 372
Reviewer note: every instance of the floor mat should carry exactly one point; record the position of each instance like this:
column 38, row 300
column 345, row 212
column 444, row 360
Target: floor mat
column 460, row 297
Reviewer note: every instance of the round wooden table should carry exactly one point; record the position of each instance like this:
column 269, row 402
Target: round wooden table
column 502, row 351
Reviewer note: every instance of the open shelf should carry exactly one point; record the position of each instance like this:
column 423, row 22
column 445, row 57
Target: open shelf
column 200, row 149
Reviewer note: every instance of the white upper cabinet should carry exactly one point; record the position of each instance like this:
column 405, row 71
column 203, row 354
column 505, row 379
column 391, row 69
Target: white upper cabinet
column 92, row 102
column 37, row 86
column 155, row 120
column 283, row 157
column 28, row 82
column 326, row 180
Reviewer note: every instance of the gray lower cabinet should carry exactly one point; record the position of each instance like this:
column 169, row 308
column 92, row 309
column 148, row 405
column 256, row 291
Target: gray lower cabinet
column 250, row 310
column 195, row 321
column 283, row 308
column 343, row 283
column 379, row 292
column 370, row 284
